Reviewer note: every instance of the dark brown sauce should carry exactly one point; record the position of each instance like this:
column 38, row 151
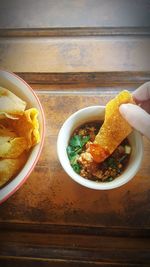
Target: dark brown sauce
column 110, row 168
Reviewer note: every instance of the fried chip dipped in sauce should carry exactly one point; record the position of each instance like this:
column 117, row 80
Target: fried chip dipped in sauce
column 114, row 129
column 19, row 132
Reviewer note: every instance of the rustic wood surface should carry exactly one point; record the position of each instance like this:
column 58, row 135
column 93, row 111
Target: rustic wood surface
column 75, row 54
column 79, row 36
column 53, row 221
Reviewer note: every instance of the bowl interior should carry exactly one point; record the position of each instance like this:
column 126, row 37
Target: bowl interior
column 23, row 90
column 87, row 115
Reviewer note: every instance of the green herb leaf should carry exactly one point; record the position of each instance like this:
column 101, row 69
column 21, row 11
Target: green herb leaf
column 76, row 168
column 70, row 151
column 76, row 141
column 79, row 141
column 74, row 149
column 73, row 159
column 77, row 149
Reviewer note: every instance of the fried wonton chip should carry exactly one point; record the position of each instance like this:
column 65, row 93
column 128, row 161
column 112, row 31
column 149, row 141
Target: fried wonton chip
column 19, row 131
column 114, row 129
column 11, row 146
column 10, row 167
column 28, row 127
column 11, row 105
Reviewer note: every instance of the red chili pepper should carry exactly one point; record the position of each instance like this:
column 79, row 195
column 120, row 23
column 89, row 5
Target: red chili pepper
column 98, row 153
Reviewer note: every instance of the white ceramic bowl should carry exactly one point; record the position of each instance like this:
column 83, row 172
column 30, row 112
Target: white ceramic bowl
column 19, row 87
column 90, row 114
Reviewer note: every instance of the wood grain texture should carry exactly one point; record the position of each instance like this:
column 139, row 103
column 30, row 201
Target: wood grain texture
column 75, row 249
column 53, row 221
column 86, row 54
column 50, row 196
column 85, row 80
column 75, row 31
column 75, row 54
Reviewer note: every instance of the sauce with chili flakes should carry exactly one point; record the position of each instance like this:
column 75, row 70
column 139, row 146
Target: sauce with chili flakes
column 82, row 162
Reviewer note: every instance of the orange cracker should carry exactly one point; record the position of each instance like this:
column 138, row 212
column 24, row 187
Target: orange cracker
column 114, row 129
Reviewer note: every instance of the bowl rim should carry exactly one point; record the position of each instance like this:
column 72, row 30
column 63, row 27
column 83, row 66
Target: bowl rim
column 5, row 197
column 88, row 183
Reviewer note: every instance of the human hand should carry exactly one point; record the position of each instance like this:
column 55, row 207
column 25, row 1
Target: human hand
column 138, row 116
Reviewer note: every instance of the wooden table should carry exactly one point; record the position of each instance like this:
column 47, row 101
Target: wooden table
column 74, row 55
column 53, row 221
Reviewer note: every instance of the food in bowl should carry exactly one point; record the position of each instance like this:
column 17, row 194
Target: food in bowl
column 19, row 132
column 100, row 151
column 90, row 114
column 82, row 161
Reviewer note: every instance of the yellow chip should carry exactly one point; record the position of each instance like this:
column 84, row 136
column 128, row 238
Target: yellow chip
column 10, row 167
column 11, row 146
column 28, row 127
column 114, row 129
column 10, row 104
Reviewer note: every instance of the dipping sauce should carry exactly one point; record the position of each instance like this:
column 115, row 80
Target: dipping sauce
column 82, row 161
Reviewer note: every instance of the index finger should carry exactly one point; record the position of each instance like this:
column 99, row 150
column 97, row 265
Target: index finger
column 142, row 93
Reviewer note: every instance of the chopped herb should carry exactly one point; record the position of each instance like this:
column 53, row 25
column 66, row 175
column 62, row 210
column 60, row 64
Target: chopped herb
column 70, row 151
column 76, row 168
column 74, row 149
column 79, row 141
column 73, row 159
column 76, row 141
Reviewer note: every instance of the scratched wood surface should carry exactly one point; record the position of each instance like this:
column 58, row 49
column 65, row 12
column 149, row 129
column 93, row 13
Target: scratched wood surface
column 65, row 54
column 50, row 196
column 51, row 217
column 75, row 36
column 75, row 54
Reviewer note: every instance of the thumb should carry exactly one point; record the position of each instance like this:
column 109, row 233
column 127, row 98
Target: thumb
column 137, row 117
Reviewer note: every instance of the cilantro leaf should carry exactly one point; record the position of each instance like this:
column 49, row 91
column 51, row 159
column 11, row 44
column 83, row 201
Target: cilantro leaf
column 76, row 141
column 79, row 141
column 74, row 149
column 73, row 159
column 77, row 168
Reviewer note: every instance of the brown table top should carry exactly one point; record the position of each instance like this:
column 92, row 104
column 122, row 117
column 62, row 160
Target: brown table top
column 51, row 218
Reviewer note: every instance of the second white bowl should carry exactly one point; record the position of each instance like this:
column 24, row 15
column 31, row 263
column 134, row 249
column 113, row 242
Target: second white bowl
column 90, row 114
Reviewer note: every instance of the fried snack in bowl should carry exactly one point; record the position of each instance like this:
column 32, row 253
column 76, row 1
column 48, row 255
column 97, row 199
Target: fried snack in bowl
column 10, row 105
column 89, row 114
column 28, row 127
column 22, row 128
column 9, row 167
column 114, row 129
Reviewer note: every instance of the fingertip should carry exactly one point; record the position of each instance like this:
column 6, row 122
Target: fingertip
column 123, row 108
